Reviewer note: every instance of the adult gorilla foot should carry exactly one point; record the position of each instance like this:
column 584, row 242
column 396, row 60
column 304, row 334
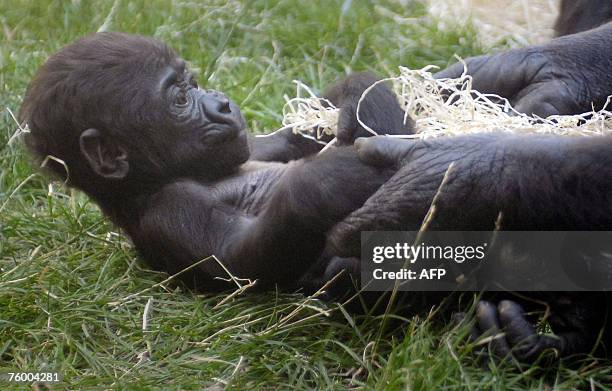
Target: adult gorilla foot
column 509, row 335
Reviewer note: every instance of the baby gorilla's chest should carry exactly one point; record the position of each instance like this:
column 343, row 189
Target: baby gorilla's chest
column 249, row 190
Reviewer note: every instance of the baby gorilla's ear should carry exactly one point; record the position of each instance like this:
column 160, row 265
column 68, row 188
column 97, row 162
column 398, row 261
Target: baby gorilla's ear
column 105, row 157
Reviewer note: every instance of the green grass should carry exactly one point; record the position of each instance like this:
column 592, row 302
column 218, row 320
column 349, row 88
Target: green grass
column 65, row 275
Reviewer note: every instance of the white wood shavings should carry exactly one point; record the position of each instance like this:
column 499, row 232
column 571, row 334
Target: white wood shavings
column 442, row 107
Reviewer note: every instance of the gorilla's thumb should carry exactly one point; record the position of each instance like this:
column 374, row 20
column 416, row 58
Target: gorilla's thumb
column 382, row 151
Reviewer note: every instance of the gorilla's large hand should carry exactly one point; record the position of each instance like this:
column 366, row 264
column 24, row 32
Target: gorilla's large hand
column 565, row 76
column 402, row 202
column 538, row 182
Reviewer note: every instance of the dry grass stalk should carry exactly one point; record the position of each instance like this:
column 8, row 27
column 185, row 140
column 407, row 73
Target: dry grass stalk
column 309, row 115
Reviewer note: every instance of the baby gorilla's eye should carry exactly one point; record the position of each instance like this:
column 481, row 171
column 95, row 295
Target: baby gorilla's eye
column 181, row 98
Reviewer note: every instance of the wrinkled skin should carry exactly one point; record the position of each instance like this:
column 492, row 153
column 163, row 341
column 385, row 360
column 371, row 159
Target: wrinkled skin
column 538, row 183
column 531, row 180
column 568, row 75
column 494, row 171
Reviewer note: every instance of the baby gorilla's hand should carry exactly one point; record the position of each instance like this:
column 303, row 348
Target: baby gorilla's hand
column 379, row 109
column 568, row 75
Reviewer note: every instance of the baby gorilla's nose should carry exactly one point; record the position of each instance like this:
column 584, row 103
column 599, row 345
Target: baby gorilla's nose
column 224, row 105
column 217, row 103
column 219, row 109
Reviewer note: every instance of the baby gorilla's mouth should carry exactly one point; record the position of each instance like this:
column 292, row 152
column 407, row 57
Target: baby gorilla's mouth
column 220, row 133
column 224, row 127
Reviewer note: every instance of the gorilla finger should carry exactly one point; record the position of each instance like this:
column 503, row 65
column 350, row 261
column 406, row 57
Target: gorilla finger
column 472, row 66
column 483, row 69
column 347, row 127
column 520, row 333
column 544, row 100
column 488, row 323
column 452, row 72
column 382, row 150
column 504, row 74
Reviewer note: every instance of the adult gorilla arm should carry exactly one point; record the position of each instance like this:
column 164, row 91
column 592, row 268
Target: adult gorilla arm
column 537, row 182
column 380, row 110
column 568, row 75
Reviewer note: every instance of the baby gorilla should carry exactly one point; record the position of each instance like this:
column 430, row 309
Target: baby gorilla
column 168, row 162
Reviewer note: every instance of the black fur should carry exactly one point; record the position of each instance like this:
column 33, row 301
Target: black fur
column 582, row 15
column 548, row 183
column 166, row 162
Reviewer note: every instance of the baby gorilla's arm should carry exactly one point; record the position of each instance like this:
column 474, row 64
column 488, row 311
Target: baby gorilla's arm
column 288, row 235
column 380, row 111
column 281, row 146
column 187, row 223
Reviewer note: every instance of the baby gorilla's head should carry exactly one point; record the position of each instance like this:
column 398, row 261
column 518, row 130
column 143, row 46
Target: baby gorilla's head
column 124, row 114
